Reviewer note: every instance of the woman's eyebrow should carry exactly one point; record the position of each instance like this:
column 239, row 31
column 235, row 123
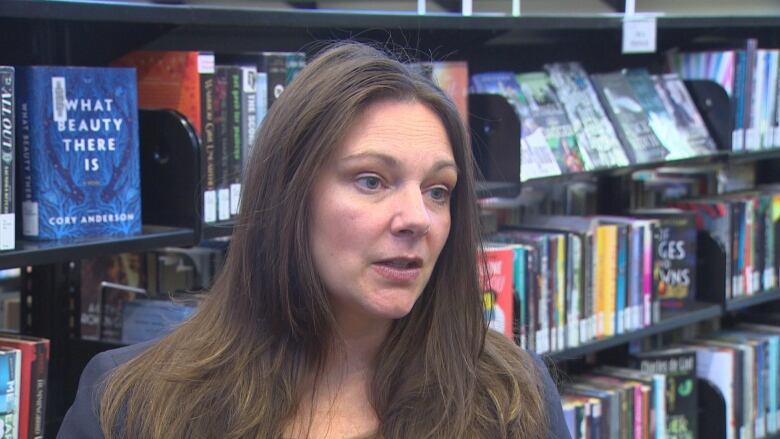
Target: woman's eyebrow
column 393, row 162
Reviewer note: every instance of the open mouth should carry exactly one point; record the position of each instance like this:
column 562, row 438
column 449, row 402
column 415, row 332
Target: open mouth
column 402, row 263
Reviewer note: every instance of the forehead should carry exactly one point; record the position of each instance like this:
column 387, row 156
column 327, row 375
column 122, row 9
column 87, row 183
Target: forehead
column 401, row 127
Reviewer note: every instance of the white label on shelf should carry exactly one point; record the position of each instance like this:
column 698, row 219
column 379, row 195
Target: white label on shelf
column 59, row 99
column 775, row 136
column 467, row 7
column 648, row 310
column 554, row 338
column 30, row 218
column 515, row 8
column 583, row 330
column 7, row 231
column 235, row 198
column 421, row 7
column 621, row 322
column 206, row 62
column 210, row 206
column 639, row 34
column 223, row 204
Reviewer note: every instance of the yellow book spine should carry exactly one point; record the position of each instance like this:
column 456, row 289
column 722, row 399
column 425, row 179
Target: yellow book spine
column 610, row 278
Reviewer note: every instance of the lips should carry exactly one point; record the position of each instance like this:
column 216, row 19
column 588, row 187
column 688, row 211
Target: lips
column 401, row 269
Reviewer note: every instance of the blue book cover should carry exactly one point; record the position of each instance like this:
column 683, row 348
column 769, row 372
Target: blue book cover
column 78, row 131
column 7, row 384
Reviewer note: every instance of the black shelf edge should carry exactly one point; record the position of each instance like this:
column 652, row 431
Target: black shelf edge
column 226, row 15
column 488, row 189
column 217, row 230
column 718, row 156
column 670, row 319
column 756, row 299
column 622, row 170
column 47, row 252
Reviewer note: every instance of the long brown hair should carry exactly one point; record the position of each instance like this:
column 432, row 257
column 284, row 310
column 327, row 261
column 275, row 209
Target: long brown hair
column 237, row 368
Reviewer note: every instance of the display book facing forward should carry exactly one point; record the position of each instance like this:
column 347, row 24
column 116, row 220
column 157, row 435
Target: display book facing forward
column 23, row 386
column 573, row 122
column 79, row 159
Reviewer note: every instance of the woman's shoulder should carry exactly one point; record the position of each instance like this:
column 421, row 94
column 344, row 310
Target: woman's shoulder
column 81, row 420
column 509, row 353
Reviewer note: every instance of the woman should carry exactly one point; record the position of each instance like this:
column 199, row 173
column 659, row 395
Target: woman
column 349, row 302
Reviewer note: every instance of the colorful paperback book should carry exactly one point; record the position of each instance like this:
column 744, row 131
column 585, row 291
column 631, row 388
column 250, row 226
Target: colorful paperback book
column 629, row 118
column 595, row 135
column 679, row 366
column 680, row 105
column 497, row 288
column 78, row 130
column 661, row 121
column 537, row 158
column 547, row 111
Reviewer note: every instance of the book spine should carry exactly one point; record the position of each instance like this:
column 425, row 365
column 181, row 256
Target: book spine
column 26, row 105
column 248, row 128
column 40, row 378
column 236, row 140
column 560, row 302
column 223, row 109
column 7, row 159
column 206, row 70
column 621, row 308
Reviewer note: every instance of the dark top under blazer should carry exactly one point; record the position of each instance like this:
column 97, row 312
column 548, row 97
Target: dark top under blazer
column 81, row 421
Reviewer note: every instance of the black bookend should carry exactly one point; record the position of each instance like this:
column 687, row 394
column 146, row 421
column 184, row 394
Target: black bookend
column 715, row 108
column 495, row 130
column 710, row 270
column 170, row 161
column 712, row 411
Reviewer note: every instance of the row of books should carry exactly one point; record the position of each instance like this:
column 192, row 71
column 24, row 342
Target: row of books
column 750, row 77
column 130, row 297
column 561, row 281
column 24, row 363
column 573, row 122
column 660, row 395
column 225, row 98
column 745, row 226
column 69, row 136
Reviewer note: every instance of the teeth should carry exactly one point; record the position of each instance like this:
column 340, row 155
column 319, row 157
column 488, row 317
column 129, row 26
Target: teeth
column 399, row 264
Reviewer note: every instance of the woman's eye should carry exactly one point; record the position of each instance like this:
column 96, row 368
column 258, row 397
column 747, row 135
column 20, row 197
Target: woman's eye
column 369, row 182
column 440, row 194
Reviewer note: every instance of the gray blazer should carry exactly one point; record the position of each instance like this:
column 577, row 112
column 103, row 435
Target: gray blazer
column 81, row 421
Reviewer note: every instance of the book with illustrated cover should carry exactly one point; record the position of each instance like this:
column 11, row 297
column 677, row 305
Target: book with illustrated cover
column 10, row 389
column 599, row 145
column 629, row 119
column 674, row 259
column 679, row 366
column 497, row 288
column 34, row 382
column 538, row 159
column 182, row 81
column 78, row 135
column 661, row 121
column 546, row 110
column 7, row 158
column 679, row 104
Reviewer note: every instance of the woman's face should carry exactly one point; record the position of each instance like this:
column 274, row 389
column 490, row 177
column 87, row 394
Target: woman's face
column 381, row 211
